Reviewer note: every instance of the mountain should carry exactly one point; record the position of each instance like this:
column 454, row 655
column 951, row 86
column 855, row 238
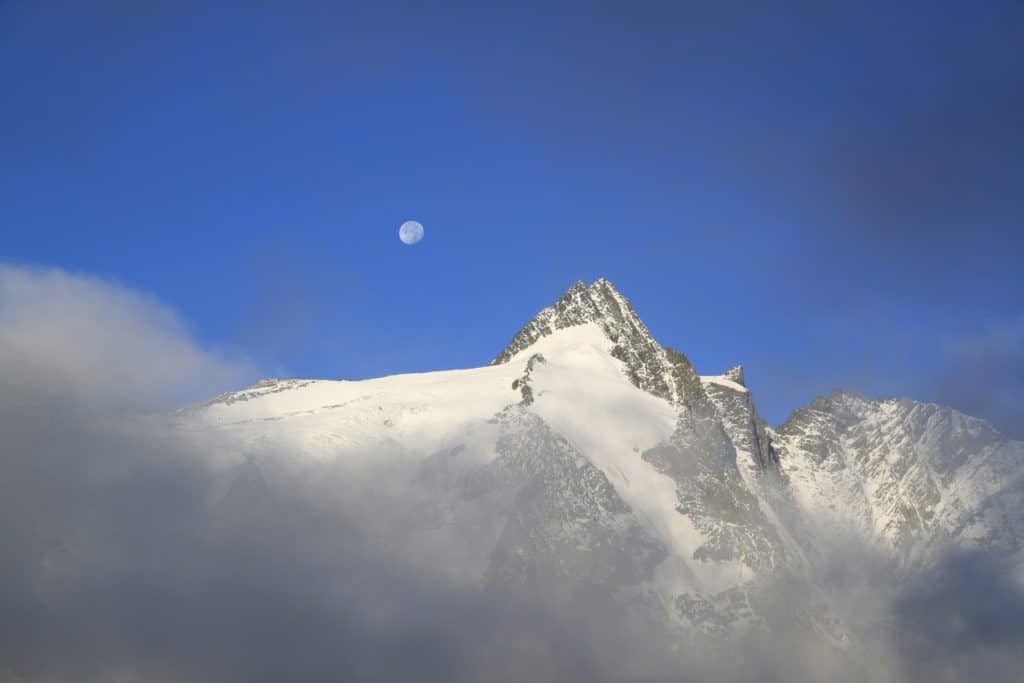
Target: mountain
column 910, row 478
column 590, row 462
column 655, row 369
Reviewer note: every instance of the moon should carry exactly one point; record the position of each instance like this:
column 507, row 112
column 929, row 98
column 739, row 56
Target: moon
column 411, row 232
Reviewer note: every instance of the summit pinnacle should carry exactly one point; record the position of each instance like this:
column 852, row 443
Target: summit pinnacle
column 658, row 370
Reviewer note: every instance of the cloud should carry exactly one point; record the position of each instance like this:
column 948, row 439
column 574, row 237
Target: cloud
column 962, row 620
column 984, row 376
column 103, row 343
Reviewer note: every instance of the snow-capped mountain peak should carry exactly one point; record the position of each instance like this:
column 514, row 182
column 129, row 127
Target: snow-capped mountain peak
column 658, row 370
column 589, row 457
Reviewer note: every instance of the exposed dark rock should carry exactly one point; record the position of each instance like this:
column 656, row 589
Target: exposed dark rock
column 663, row 372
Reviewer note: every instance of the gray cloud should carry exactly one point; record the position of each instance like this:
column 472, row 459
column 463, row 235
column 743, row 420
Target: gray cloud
column 964, row 620
column 984, row 375
column 101, row 343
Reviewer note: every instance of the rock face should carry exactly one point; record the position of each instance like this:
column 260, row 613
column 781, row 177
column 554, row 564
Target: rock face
column 701, row 459
column 589, row 460
column 735, row 405
column 664, row 372
column 911, row 478
column 569, row 532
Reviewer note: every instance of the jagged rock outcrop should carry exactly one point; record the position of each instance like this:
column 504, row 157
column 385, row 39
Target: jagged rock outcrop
column 701, row 459
column 735, row 405
column 664, row 372
column 522, row 384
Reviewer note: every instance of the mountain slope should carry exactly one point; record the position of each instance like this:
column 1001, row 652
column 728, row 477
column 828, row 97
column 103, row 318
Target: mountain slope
column 581, row 407
column 910, row 477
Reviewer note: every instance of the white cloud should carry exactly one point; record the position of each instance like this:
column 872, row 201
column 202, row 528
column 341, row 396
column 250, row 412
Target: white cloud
column 76, row 335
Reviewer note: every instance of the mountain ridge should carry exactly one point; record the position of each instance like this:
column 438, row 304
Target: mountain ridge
column 659, row 370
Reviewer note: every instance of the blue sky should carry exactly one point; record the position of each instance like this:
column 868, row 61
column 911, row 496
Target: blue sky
column 831, row 196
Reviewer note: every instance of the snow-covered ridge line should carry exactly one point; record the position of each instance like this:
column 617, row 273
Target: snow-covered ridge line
column 723, row 381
